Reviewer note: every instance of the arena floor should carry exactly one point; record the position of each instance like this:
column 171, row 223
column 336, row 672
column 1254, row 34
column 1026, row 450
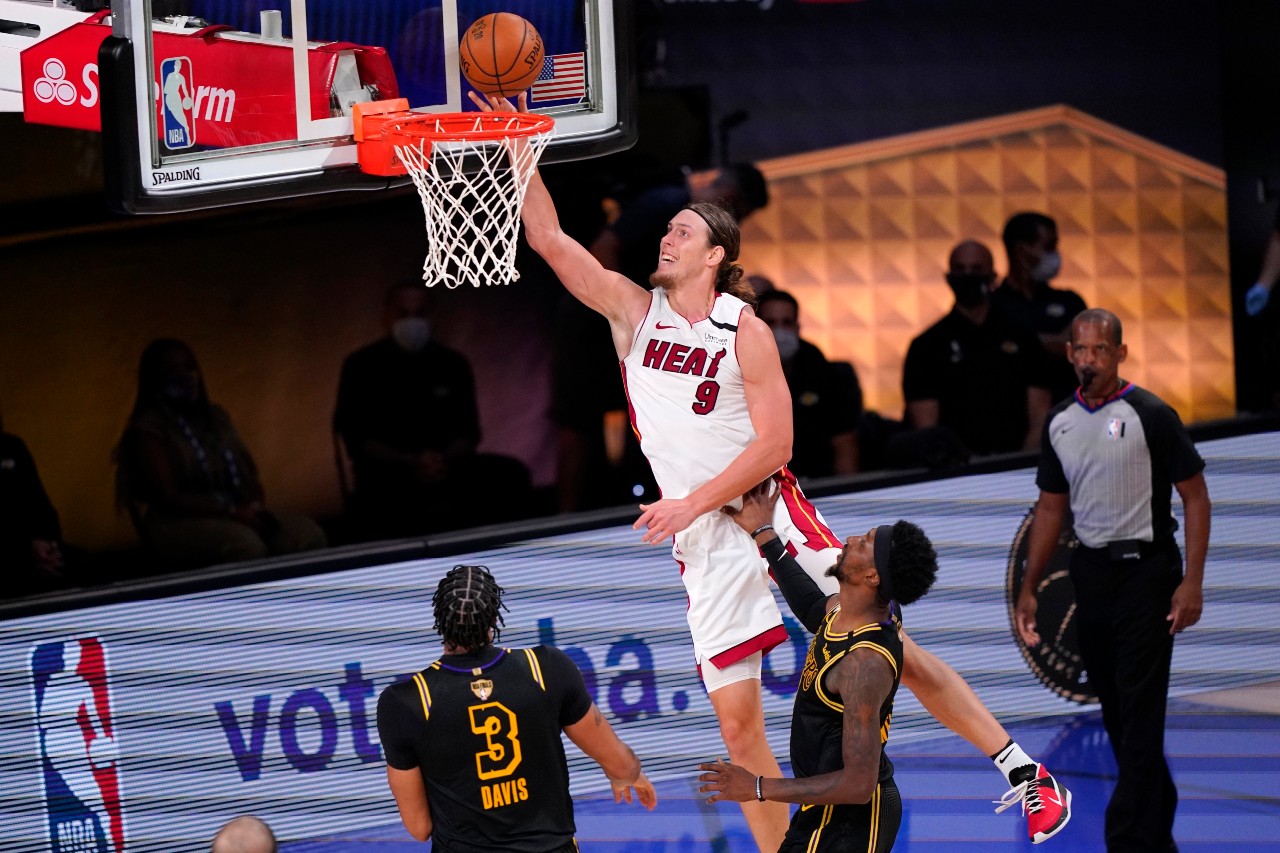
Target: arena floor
column 1224, row 748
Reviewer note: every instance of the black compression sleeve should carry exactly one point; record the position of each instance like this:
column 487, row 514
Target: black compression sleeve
column 803, row 596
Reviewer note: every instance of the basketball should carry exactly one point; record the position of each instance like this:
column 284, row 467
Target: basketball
column 501, row 54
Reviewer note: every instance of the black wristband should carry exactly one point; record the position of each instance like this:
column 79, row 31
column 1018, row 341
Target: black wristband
column 759, row 792
column 761, row 529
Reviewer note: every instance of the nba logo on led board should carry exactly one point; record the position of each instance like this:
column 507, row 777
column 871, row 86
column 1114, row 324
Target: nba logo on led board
column 75, row 732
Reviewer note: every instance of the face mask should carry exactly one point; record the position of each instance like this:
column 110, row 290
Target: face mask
column 1048, row 267
column 788, row 341
column 970, row 288
column 411, row 333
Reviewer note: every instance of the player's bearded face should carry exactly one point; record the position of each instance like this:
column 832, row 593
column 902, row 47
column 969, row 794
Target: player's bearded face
column 682, row 250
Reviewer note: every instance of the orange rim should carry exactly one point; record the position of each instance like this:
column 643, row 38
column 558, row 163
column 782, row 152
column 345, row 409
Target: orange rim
column 462, row 127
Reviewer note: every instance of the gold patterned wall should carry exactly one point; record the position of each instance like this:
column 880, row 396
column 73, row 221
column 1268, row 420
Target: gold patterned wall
column 860, row 235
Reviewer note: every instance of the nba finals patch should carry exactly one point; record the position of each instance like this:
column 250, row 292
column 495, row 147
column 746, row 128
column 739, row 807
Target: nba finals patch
column 483, row 688
column 76, row 740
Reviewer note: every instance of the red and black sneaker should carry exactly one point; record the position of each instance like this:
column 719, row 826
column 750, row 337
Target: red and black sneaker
column 1045, row 803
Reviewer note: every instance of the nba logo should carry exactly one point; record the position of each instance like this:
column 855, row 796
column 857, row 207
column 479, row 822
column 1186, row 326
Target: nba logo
column 1115, row 429
column 177, row 88
column 76, row 742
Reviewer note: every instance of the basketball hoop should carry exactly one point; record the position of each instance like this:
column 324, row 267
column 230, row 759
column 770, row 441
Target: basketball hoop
column 471, row 171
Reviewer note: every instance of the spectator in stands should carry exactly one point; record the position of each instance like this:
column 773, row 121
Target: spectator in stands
column 1027, row 300
column 187, row 479
column 973, row 372
column 826, row 398
column 32, row 553
column 1259, row 347
column 407, row 416
column 760, row 284
column 245, row 834
column 597, row 447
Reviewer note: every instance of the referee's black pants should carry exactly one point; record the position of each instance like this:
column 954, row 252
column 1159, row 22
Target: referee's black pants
column 1121, row 610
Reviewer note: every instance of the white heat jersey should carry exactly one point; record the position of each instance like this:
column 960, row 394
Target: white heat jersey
column 684, row 387
column 689, row 407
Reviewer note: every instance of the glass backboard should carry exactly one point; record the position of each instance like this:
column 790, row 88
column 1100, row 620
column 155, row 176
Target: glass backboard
column 207, row 103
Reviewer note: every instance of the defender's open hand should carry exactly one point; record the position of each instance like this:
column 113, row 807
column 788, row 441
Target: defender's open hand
column 725, row 781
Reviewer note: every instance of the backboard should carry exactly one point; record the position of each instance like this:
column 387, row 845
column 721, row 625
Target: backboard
column 234, row 101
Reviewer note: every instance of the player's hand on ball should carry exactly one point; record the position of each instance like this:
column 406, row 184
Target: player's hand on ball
column 493, row 103
column 664, row 518
column 725, row 781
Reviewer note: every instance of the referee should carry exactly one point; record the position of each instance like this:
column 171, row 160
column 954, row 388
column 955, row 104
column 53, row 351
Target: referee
column 1114, row 451
column 474, row 756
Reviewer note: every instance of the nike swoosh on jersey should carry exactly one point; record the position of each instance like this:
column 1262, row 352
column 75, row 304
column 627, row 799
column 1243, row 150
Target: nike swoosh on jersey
column 660, row 326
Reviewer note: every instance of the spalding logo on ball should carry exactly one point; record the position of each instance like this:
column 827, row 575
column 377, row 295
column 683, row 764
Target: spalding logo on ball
column 501, row 54
column 1056, row 660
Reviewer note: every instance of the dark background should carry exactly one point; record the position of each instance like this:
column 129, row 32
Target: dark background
column 84, row 288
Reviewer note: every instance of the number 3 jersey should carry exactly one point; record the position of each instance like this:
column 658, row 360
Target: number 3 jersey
column 484, row 730
column 684, row 387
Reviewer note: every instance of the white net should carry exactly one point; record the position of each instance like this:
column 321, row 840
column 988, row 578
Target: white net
column 472, row 190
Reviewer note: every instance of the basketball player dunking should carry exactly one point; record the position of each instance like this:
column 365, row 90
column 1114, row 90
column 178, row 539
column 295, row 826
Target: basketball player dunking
column 712, row 411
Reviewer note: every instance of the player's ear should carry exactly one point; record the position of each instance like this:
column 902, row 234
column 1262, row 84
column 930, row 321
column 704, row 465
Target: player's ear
column 715, row 256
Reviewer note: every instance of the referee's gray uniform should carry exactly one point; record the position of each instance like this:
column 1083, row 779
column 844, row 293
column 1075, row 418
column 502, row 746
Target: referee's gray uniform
column 1119, row 462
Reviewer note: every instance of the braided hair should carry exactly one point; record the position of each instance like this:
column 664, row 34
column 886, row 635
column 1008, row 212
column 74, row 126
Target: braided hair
column 467, row 604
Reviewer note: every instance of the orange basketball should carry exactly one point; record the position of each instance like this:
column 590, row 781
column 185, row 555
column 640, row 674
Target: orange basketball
column 501, row 54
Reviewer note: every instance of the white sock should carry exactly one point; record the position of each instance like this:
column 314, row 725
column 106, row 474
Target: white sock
column 1012, row 759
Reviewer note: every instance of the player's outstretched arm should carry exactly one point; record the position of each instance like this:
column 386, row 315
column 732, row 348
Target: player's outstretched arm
column 619, row 299
column 594, row 736
column 863, row 678
column 950, row 699
column 411, row 799
column 806, row 600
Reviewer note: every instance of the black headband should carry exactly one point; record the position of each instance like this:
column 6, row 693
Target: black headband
column 884, row 541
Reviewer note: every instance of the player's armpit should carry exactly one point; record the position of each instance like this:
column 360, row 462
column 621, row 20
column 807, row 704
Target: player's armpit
column 411, row 800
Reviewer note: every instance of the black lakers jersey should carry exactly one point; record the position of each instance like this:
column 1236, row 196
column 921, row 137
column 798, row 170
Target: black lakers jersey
column 818, row 719
column 484, row 730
